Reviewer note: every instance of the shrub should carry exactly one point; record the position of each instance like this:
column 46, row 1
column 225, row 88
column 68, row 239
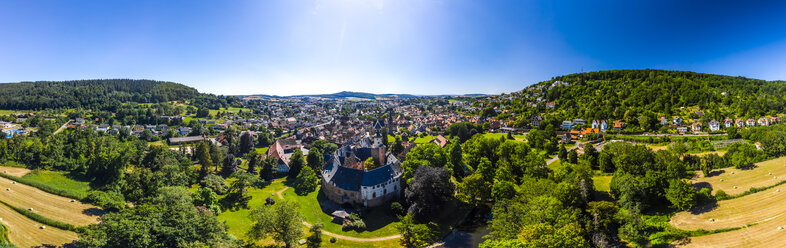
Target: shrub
column 108, row 200
column 397, row 209
column 215, row 183
column 721, row 195
column 333, row 240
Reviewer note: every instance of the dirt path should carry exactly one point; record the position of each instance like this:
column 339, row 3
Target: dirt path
column 338, row 236
column 62, row 127
column 24, row 232
column 51, row 206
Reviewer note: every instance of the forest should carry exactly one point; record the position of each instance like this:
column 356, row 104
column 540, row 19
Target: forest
column 103, row 94
column 633, row 95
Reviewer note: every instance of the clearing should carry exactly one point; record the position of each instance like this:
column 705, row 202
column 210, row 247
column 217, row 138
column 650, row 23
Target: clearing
column 765, row 173
column 24, row 232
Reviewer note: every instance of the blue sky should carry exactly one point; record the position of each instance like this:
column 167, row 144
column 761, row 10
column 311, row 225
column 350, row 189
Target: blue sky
column 290, row 47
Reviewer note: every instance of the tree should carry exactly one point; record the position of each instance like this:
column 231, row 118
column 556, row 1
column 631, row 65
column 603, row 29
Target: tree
column 573, row 157
column 296, row 163
column 705, row 167
column 238, row 193
column 253, row 159
column 315, row 159
column 562, row 154
column 268, row 165
column 503, row 190
column 229, row 166
column 457, row 160
column 415, row 235
column 166, row 219
column 207, row 198
column 681, row 194
column 306, row 182
column 315, row 240
column 428, row 192
column 474, row 189
column 246, row 143
column 215, row 183
column 203, row 156
column 605, row 163
column 281, row 220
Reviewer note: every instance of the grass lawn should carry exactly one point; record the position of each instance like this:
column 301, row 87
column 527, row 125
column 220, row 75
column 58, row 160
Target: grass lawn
column 59, row 180
column 354, row 244
column 157, row 143
column 262, row 150
column 602, row 187
column 379, row 221
column 237, row 220
column 424, row 139
column 518, row 137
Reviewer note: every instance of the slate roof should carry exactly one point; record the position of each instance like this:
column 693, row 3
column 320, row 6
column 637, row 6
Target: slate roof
column 378, row 176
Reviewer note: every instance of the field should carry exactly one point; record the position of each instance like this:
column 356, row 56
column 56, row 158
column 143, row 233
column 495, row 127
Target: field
column 766, row 173
column 739, row 212
column 48, row 205
column 59, row 180
column 14, row 171
column 24, row 232
column 761, row 215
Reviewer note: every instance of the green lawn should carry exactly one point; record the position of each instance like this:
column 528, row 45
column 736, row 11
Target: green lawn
column 238, row 221
column 379, row 221
column 59, row 180
column 602, row 183
column 424, row 139
column 519, row 137
column 262, row 150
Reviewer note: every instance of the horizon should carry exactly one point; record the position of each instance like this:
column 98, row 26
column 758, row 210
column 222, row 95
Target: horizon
column 289, row 48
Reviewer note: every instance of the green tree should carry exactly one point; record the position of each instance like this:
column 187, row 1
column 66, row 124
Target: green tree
column 315, row 159
column 563, row 153
column 315, row 240
column 269, row 164
column 282, row 221
column 306, row 182
column 415, row 235
column 296, row 163
column 474, row 189
column 573, row 157
column 681, row 194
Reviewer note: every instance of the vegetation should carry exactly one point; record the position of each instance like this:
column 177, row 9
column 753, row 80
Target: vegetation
column 280, row 220
column 41, row 219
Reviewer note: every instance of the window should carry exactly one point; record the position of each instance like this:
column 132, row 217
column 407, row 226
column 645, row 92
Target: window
column 374, row 195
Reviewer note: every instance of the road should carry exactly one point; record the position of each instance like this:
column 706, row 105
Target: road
column 62, row 127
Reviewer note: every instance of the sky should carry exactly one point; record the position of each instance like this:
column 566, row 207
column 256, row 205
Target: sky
column 422, row 47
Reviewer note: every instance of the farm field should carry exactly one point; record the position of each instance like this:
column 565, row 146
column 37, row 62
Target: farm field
column 764, row 235
column 14, row 171
column 739, row 212
column 24, row 232
column 766, row 173
column 48, row 205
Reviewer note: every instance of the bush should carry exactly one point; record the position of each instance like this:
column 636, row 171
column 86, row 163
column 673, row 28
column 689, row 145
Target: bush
column 721, row 195
column 333, row 240
column 108, row 200
column 215, row 183
column 396, row 209
column 359, row 225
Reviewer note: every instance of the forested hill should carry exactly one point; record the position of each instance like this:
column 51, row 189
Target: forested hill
column 630, row 94
column 95, row 94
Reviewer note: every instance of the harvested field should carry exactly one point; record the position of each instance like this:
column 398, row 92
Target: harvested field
column 739, row 212
column 14, row 171
column 24, row 232
column 766, row 234
column 766, row 173
column 48, row 205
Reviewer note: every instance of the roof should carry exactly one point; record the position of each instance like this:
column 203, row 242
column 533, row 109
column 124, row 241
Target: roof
column 347, row 178
column 378, row 176
column 186, row 139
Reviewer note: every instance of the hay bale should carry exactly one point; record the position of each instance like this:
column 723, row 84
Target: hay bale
column 31, row 209
column 43, row 227
column 780, row 228
column 13, row 182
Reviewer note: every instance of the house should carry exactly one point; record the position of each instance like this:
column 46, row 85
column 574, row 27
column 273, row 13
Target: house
column 185, row 140
column 536, row 120
column 699, row 113
column 774, row 120
column 283, row 149
column 579, row 122
column 714, row 125
column 441, row 141
column 595, row 124
column 551, row 104
column 567, row 125
column 566, row 139
column 682, row 129
column 758, row 145
column 604, row 126
column 739, row 123
column 79, row 121
column 618, row 125
column 696, row 126
column 676, row 120
column 763, row 122
column 663, row 121
column 750, row 122
column 184, row 130
column 728, row 123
